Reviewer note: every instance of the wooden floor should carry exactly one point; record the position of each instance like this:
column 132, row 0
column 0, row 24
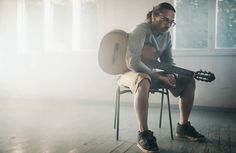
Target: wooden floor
column 87, row 127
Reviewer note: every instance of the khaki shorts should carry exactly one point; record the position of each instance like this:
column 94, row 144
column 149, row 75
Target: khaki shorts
column 132, row 79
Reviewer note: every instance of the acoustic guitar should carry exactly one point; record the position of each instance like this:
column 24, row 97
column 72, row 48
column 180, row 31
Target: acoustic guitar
column 112, row 52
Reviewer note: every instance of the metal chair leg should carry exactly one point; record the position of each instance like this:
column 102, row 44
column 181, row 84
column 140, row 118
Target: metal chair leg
column 116, row 102
column 168, row 102
column 118, row 113
column 162, row 99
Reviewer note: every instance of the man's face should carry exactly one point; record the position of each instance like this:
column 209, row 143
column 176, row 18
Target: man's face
column 163, row 21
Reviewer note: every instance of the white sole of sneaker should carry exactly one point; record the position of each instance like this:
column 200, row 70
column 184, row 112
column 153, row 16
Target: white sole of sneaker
column 191, row 138
column 147, row 151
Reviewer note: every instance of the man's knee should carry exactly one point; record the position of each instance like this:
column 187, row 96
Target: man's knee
column 189, row 89
column 144, row 86
column 192, row 84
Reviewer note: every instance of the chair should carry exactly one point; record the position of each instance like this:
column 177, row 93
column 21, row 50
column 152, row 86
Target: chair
column 120, row 91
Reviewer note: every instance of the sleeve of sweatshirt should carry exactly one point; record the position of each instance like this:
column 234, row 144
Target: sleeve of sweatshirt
column 134, row 50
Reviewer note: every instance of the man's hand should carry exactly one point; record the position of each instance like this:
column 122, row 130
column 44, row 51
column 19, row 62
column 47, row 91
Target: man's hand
column 167, row 79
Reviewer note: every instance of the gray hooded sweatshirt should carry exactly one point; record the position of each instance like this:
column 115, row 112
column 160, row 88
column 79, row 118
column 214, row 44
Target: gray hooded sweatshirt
column 143, row 35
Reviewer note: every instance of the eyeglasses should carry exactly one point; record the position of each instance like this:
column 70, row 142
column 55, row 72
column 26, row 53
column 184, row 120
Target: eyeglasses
column 167, row 21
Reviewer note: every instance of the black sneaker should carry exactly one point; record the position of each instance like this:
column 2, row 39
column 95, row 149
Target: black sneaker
column 147, row 142
column 188, row 131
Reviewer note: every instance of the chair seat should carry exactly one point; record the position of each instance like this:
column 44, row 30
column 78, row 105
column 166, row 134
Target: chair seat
column 124, row 89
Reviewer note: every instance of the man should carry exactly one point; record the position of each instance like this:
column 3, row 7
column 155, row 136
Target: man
column 152, row 39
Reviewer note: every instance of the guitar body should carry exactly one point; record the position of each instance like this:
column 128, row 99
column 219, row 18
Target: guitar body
column 112, row 52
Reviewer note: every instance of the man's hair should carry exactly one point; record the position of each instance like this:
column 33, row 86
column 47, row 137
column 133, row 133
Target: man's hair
column 159, row 9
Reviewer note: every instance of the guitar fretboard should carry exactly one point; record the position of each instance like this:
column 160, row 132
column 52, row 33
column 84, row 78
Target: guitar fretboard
column 168, row 68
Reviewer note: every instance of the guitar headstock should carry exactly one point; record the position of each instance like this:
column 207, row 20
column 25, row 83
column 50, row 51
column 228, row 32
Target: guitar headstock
column 204, row 76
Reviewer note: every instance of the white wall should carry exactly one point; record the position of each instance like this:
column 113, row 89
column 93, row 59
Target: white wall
column 76, row 75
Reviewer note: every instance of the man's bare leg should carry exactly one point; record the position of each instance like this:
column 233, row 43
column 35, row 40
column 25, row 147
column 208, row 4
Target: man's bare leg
column 186, row 102
column 184, row 128
column 141, row 104
column 146, row 140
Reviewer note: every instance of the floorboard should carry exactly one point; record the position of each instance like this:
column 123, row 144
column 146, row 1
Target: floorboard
column 87, row 127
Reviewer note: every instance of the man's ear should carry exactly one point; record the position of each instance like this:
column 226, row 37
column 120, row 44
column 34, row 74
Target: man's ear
column 154, row 18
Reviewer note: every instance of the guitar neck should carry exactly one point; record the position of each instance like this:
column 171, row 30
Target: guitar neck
column 169, row 68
